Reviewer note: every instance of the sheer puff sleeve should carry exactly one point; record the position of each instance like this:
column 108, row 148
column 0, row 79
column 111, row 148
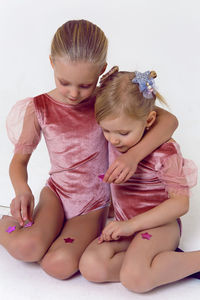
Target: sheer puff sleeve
column 178, row 174
column 22, row 126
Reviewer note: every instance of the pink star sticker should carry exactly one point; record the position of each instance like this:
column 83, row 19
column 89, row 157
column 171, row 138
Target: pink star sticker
column 146, row 235
column 11, row 229
column 68, row 240
column 101, row 176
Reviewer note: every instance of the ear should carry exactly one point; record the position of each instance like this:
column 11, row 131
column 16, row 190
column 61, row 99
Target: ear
column 51, row 61
column 103, row 69
column 151, row 119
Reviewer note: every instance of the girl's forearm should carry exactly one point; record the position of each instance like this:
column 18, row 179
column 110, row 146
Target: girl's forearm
column 164, row 213
column 19, row 176
column 160, row 132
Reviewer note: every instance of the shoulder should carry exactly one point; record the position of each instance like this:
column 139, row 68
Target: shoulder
column 168, row 148
column 162, row 154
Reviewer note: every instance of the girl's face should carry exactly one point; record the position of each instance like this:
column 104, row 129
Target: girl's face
column 75, row 81
column 123, row 132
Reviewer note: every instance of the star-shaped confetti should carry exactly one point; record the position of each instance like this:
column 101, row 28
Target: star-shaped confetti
column 69, row 240
column 146, row 236
column 11, row 229
column 29, row 224
column 101, row 177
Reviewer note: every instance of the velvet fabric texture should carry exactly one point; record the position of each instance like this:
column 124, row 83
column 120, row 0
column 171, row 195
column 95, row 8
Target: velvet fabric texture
column 160, row 174
column 76, row 146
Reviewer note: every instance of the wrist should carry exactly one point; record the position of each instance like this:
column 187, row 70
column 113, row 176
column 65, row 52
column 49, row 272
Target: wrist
column 133, row 225
column 136, row 152
column 24, row 189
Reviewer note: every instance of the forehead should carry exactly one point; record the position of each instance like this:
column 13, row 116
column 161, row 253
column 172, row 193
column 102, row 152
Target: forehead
column 123, row 122
column 76, row 71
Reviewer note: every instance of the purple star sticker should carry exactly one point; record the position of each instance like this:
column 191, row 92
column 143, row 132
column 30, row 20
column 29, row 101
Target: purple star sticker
column 11, row 229
column 146, row 236
column 29, row 224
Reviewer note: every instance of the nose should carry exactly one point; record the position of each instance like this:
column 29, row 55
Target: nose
column 74, row 92
column 114, row 140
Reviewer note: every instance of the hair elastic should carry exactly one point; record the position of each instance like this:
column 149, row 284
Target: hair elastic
column 146, row 83
column 108, row 74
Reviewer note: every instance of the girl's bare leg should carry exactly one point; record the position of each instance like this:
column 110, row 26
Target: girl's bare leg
column 62, row 259
column 150, row 263
column 30, row 244
column 102, row 262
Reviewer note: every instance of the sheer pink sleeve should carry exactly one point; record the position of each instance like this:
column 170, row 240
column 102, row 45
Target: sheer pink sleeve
column 178, row 174
column 22, row 126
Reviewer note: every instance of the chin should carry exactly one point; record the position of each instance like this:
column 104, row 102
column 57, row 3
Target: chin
column 122, row 149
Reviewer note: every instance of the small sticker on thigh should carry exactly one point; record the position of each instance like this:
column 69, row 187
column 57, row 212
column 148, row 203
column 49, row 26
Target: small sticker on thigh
column 146, row 236
column 69, row 240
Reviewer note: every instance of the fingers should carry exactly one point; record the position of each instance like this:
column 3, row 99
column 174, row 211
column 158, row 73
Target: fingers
column 30, row 211
column 109, row 177
column 117, row 175
column 110, row 232
column 22, row 208
column 15, row 209
column 124, row 176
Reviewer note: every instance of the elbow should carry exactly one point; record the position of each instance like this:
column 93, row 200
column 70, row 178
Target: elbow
column 175, row 123
column 185, row 206
column 185, row 210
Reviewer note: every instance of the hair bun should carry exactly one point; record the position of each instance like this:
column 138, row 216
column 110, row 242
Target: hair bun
column 153, row 74
column 108, row 74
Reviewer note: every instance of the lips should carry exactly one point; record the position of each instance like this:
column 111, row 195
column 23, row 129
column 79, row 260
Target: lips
column 71, row 99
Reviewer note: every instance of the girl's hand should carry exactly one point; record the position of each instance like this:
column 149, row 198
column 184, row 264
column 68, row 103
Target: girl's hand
column 22, row 207
column 115, row 229
column 121, row 169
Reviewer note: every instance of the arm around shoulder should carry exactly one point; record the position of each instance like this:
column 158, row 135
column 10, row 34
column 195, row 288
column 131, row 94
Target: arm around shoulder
column 160, row 132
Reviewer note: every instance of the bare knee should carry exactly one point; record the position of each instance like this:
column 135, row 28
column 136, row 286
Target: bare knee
column 93, row 267
column 27, row 248
column 135, row 280
column 60, row 263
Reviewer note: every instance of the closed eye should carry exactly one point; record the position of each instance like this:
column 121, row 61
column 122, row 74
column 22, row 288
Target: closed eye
column 85, row 86
column 64, row 83
column 124, row 133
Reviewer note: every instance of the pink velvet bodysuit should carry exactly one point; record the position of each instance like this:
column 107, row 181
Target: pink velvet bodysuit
column 76, row 146
column 162, row 172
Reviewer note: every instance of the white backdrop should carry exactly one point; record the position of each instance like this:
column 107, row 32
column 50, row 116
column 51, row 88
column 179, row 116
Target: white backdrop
column 143, row 34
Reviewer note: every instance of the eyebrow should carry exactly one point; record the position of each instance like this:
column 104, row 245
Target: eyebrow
column 120, row 130
column 65, row 81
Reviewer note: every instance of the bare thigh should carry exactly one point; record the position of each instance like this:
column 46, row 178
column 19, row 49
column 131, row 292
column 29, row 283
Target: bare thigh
column 164, row 238
column 62, row 258
column 102, row 262
column 139, row 270
column 106, row 250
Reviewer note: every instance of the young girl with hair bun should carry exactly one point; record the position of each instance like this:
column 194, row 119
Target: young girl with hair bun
column 138, row 247
column 73, row 204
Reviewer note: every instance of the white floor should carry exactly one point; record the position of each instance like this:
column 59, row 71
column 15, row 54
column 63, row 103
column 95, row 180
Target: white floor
column 27, row 281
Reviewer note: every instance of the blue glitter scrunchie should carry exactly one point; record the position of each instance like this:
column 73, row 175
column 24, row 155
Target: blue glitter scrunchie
column 146, row 83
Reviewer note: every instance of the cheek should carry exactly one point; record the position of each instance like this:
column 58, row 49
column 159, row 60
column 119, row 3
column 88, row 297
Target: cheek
column 62, row 89
column 88, row 92
column 105, row 135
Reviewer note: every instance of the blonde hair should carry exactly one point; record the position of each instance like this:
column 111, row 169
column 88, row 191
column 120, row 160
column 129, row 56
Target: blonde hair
column 118, row 95
column 80, row 40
